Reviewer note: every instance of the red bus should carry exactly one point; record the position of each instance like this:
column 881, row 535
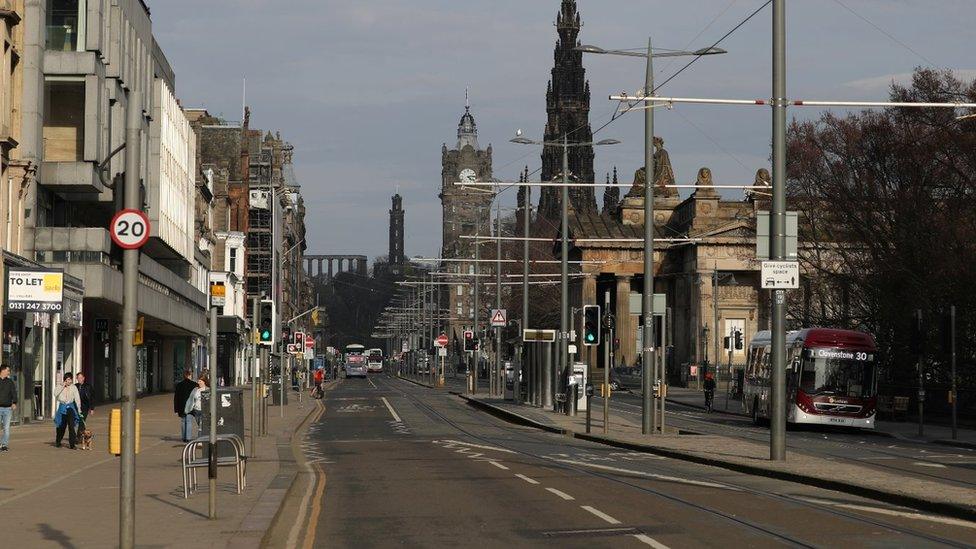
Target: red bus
column 830, row 378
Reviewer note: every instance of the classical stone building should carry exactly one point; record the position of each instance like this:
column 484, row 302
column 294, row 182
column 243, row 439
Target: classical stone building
column 694, row 238
column 568, row 111
column 464, row 212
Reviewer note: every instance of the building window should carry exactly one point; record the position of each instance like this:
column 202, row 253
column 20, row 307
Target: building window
column 64, row 120
column 460, row 309
column 460, row 289
column 471, row 269
column 66, row 24
column 232, row 260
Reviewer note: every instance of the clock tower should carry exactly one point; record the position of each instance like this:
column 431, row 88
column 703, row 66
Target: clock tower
column 464, row 211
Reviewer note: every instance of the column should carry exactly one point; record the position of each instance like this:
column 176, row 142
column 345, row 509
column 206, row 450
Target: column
column 330, row 268
column 625, row 330
column 318, row 271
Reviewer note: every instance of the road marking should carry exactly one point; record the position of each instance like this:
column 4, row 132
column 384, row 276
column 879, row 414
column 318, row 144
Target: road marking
column 390, row 408
column 499, row 465
column 371, row 383
column 295, row 528
column 894, row 513
column 561, row 494
column 313, row 519
column 530, row 480
column 651, row 541
column 923, row 464
column 600, row 514
column 649, row 475
column 481, row 446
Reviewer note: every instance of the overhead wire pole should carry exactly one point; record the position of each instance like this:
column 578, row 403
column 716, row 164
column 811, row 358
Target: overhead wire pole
column 526, row 218
column 648, row 367
column 564, row 278
column 498, row 299
column 130, row 310
column 777, row 431
column 475, row 313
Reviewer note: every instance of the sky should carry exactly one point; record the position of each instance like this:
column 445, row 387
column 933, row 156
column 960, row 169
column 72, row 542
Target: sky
column 368, row 90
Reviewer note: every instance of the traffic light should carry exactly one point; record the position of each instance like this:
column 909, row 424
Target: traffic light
column 469, row 344
column 738, row 340
column 266, row 318
column 286, row 334
column 727, row 343
column 591, row 325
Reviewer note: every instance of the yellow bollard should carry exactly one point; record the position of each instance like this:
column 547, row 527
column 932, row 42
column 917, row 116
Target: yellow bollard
column 115, row 431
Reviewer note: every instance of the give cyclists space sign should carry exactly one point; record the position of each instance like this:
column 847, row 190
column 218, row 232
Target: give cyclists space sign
column 130, row 229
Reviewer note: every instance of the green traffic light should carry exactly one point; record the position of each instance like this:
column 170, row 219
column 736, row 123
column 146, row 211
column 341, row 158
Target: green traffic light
column 589, row 337
column 266, row 335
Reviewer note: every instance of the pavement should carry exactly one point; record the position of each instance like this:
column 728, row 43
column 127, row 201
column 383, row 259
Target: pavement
column 58, row 497
column 909, row 475
column 391, row 463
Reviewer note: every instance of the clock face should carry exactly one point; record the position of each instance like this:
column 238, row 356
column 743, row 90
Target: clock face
column 467, row 175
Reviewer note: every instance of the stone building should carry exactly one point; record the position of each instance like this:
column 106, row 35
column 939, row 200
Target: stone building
column 464, row 212
column 568, row 112
column 701, row 240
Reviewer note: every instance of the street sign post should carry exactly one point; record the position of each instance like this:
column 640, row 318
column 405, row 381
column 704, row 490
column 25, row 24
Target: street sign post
column 542, row 336
column 441, row 340
column 499, row 318
column 130, row 229
column 780, row 275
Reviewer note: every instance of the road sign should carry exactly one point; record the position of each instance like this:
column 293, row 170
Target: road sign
column 138, row 336
column 499, row 318
column 542, row 336
column 442, row 351
column 218, row 294
column 130, row 229
column 309, row 341
column 441, row 340
column 291, row 348
column 778, row 275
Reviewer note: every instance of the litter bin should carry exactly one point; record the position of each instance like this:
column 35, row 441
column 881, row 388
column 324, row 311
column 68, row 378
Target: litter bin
column 230, row 417
column 275, row 388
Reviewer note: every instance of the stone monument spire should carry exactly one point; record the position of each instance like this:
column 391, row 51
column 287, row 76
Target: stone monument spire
column 568, row 110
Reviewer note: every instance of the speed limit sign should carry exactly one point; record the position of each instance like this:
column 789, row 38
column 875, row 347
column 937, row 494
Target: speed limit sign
column 130, row 229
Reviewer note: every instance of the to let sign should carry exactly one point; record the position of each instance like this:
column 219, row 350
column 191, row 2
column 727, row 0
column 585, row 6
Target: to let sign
column 780, row 275
column 35, row 290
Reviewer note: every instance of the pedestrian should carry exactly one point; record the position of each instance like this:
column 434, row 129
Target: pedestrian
column 709, row 387
column 8, row 403
column 68, row 414
column 194, row 404
column 85, row 392
column 319, row 378
column 183, row 390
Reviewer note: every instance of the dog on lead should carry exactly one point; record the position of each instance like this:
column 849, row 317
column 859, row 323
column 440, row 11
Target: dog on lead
column 86, row 439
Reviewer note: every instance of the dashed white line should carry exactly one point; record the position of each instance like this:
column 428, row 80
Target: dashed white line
column 651, row 541
column 600, row 514
column 923, row 464
column 561, row 494
column 530, row 480
column 894, row 513
column 481, row 446
column 649, row 475
column 390, row 408
column 371, row 382
column 499, row 465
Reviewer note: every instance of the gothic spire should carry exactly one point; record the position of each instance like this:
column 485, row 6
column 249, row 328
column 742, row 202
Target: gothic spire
column 467, row 132
column 568, row 110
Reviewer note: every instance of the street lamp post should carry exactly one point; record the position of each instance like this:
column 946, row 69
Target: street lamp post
column 563, row 356
column 648, row 364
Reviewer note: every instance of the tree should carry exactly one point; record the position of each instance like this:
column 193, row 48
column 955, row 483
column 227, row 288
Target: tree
column 888, row 203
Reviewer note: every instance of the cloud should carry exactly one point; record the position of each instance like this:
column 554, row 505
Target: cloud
column 882, row 84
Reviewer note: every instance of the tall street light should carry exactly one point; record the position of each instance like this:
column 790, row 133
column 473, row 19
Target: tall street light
column 648, row 355
column 564, row 255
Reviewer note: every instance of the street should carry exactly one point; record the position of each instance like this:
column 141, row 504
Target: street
column 394, row 463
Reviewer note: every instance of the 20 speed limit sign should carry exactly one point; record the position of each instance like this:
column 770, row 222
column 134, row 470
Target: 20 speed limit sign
column 130, row 229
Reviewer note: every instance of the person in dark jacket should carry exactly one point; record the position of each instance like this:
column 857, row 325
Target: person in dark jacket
column 85, row 392
column 183, row 390
column 709, row 387
column 8, row 403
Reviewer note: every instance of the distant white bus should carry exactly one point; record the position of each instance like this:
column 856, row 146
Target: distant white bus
column 374, row 360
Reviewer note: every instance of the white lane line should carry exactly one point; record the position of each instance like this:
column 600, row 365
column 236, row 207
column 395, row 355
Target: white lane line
column 895, row 513
column 481, row 446
column 600, row 514
column 530, row 480
column 390, row 408
column 371, row 383
column 923, row 464
column 561, row 494
column 499, row 465
column 651, row 541
column 649, row 475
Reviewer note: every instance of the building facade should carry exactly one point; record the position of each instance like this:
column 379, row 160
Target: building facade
column 81, row 61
